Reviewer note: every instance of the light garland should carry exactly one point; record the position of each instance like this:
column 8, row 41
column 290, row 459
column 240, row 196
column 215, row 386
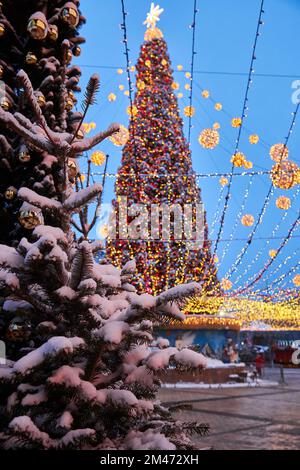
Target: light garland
column 209, row 138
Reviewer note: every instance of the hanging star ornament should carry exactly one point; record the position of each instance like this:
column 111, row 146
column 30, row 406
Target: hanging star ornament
column 153, row 16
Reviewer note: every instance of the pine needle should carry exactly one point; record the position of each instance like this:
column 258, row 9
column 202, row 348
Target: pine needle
column 91, row 92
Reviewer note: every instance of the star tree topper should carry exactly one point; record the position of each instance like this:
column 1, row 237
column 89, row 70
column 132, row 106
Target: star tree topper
column 153, row 16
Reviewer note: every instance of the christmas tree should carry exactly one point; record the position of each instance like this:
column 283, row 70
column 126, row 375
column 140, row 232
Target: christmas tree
column 82, row 374
column 41, row 41
column 156, row 169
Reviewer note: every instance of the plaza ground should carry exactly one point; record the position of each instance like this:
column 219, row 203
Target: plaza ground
column 260, row 418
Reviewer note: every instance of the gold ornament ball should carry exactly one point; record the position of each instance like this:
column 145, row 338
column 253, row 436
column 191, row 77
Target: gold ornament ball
column 218, row 106
column 175, row 86
column 10, row 193
column 283, row 202
column 296, row 280
column 69, row 104
column 70, row 14
column 238, row 159
column 5, row 104
column 77, row 51
column 209, row 138
column 111, row 97
column 248, row 165
column 31, row 58
column 18, row 330
column 279, row 153
column 1, row 71
column 30, row 219
column 72, row 169
column 2, row 30
column 226, row 284
column 98, row 158
column 41, row 99
column 236, row 122
column 38, row 26
column 216, row 125
column 69, row 57
column 223, row 181
column 284, row 175
column 205, row 94
column 53, row 32
column 247, row 220
column 253, row 139
column 189, row 111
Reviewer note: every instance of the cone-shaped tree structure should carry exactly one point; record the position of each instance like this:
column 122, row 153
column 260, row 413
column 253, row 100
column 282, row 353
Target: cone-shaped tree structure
column 40, row 37
column 156, row 169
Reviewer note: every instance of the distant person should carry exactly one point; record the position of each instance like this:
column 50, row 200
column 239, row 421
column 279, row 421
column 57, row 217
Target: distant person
column 233, row 354
column 225, row 355
column 260, row 364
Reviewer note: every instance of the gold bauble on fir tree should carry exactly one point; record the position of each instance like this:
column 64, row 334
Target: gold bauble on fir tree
column 70, row 14
column 38, row 26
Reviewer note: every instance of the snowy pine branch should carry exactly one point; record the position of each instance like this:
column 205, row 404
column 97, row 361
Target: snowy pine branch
column 81, row 198
column 88, row 143
column 39, row 201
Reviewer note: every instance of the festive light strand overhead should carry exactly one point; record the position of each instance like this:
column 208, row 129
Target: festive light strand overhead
column 193, row 26
column 279, row 280
column 264, row 206
column 243, row 115
column 198, row 175
column 271, row 261
column 264, row 248
column 127, row 50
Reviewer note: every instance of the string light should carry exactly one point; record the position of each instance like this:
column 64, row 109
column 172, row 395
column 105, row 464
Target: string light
column 222, row 221
column 191, row 76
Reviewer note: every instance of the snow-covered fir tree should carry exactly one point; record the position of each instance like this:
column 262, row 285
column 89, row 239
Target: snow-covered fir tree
column 41, row 37
column 87, row 376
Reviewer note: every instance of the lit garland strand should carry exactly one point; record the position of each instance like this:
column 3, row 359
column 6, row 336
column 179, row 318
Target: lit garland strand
column 283, row 276
column 197, row 175
column 292, row 270
column 266, row 201
column 251, row 71
column 217, row 212
column 271, row 261
column 237, row 220
column 263, row 250
column 250, row 238
column 193, row 26
column 223, row 110
column 125, row 41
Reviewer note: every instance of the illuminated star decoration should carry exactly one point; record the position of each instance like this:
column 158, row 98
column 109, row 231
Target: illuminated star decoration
column 153, row 16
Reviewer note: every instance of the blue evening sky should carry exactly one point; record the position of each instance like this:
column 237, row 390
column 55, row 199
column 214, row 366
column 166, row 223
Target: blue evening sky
column 224, row 41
